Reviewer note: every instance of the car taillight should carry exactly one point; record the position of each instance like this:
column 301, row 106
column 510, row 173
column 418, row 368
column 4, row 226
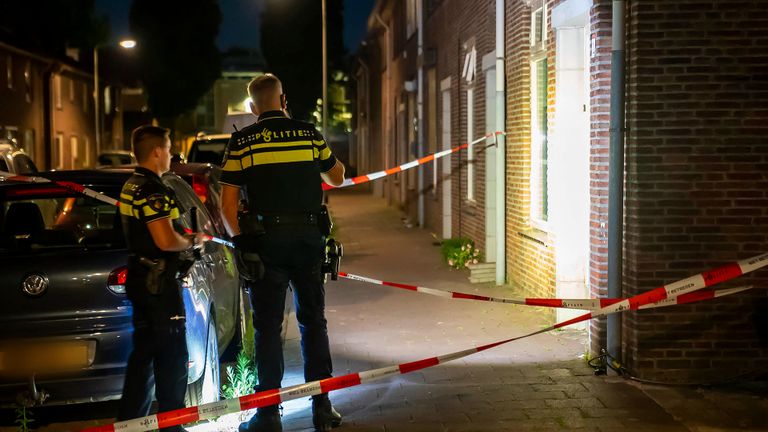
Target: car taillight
column 116, row 280
column 200, row 187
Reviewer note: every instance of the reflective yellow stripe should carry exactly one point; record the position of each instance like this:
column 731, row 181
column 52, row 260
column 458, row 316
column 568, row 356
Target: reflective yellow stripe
column 147, row 210
column 232, row 165
column 174, row 213
column 325, row 153
column 278, row 157
column 318, row 143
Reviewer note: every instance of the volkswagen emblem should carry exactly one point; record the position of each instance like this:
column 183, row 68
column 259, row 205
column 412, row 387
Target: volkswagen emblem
column 34, row 285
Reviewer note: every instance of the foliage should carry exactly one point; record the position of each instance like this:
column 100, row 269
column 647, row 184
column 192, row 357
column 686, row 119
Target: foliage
column 459, row 253
column 296, row 56
column 23, row 419
column 54, row 26
column 241, row 379
column 178, row 60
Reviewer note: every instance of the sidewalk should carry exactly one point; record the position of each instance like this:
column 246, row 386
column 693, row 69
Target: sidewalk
column 539, row 383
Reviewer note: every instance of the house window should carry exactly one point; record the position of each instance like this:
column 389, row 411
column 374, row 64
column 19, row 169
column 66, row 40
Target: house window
column 71, row 89
column 9, row 71
column 57, row 156
column 538, row 25
column 539, row 140
column 57, row 90
column 411, row 19
column 28, row 81
column 84, row 94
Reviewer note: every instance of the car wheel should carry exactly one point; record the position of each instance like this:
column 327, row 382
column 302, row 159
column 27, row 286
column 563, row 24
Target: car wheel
column 207, row 388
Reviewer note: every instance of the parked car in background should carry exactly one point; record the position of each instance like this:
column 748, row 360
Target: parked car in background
column 208, row 149
column 115, row 158
column 66, row 320
column 14, row 160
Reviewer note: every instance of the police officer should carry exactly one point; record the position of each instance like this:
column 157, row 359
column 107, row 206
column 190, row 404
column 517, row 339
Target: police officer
column 281, row 163
column 148, row 209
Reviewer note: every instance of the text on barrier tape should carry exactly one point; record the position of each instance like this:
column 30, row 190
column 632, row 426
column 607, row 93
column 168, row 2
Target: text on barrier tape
column 272, row 397
column 585, row 304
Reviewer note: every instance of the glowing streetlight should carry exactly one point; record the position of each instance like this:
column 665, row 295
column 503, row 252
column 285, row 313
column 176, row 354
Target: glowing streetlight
column 127, row 44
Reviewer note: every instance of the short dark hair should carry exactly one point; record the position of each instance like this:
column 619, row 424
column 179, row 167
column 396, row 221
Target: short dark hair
column 142, row 144
column 263, row 88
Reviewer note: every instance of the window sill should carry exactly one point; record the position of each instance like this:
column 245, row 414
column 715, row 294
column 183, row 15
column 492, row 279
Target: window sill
column 536, row 235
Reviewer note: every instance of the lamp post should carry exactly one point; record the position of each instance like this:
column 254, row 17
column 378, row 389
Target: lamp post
column 325, row 75
column 127, row 44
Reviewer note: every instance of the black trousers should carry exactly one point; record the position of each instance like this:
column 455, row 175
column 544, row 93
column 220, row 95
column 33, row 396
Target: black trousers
column 291, row 256
column 159, row 356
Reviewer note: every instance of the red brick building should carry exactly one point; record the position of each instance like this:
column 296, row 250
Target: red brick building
column 48, row 109
column 695, row 164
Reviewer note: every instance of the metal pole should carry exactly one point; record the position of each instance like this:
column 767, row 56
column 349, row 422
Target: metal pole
column 96, row 109
column 325, row 76
column 420, row 111
column 616, row 178
column 501, row 178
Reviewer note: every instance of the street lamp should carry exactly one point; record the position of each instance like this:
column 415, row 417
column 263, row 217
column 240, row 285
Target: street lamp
column 127, row 44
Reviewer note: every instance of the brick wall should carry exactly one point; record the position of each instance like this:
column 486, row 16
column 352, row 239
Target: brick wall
column 697, row 189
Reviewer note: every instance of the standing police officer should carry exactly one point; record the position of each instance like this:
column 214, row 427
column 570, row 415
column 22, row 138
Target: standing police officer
column 281, row 163
column 147, row 208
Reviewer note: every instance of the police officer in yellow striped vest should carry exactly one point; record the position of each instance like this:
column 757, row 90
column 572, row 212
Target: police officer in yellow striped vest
column 281, row 163
column 148, row 209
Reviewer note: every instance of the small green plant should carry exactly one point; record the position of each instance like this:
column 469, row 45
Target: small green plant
column 459, row 253
column 241, row 379
column 23, row 419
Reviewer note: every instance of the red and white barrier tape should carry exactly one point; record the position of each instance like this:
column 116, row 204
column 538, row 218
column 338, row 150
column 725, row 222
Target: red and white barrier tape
column 276, row 396
column 585, row 304
column 406, row 166
column 74, row 187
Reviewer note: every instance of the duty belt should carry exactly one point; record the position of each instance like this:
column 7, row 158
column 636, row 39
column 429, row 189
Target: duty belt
column 289, row 219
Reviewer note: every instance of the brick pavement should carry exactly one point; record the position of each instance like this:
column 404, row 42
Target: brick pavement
column 539, row 383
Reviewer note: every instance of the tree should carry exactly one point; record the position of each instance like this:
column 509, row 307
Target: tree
column 178, row 59
column 291, row 41
column 53, row 27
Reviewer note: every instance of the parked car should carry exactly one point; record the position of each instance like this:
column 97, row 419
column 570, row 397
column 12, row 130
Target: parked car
column 14, row 160
column 63, row 286
column 208, row 149
column 115, row 158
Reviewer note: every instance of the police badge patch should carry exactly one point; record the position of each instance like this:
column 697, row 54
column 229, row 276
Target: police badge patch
column 158, row 202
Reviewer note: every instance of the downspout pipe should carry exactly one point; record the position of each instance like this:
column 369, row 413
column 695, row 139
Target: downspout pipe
column 386, row 97
column 420, row 109
column 363, row 165
column 501, row 154
column 616, row 177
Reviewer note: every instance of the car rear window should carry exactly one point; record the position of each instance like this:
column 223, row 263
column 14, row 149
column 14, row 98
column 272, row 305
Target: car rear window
column 49, row 217
column 208, row 151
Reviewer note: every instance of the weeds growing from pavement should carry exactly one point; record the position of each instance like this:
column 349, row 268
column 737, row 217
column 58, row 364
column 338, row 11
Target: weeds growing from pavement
column 23, row 419
column 241, row 379
column 459, row 253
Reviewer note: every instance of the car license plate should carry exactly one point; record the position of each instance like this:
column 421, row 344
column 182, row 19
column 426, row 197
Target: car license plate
column 32, row 358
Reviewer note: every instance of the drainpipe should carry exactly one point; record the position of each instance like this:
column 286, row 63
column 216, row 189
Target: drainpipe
column 420, row 110
column 363, row 165
column 501, row 177
column 386, row 97
column 616, row 177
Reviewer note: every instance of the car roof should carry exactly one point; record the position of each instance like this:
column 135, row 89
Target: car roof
column 212, row 137
column 89, row 178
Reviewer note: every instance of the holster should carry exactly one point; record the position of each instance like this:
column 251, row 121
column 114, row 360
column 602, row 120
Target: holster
column 155, row 272
column 250, row 224
column 332, row 262
column 324, row 222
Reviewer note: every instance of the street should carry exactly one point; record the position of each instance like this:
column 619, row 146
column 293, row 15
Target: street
column 538, row 383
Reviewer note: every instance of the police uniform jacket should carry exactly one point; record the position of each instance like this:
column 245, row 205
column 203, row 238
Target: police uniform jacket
column 278, row 160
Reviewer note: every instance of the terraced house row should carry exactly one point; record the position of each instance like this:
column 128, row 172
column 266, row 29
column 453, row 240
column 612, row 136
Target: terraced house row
column 433, row 74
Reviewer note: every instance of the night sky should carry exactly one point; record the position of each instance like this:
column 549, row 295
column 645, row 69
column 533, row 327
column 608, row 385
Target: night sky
column 239, row 25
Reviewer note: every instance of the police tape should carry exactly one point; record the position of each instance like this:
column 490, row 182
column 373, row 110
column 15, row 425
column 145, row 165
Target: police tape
column 77, row 188
column 276, row 396
column 585, row 304
column 412, row 164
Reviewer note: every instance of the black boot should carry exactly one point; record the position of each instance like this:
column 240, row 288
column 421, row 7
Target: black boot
column 324, row 417
column 263, row 421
